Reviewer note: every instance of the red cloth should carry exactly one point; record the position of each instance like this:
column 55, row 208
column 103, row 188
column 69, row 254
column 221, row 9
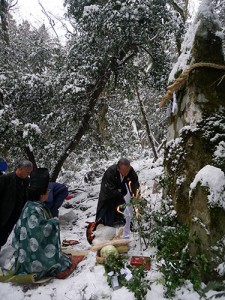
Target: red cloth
column 75, row 261
column 69, row 197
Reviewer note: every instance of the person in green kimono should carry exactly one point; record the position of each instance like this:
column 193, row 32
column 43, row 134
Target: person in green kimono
column 37, row 235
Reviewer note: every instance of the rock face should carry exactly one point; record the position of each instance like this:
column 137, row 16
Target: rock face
column 196, row 136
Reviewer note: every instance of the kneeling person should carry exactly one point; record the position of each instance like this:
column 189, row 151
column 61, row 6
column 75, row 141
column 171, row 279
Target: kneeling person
column 114, row 191
column 57, row 192
column 37, row 235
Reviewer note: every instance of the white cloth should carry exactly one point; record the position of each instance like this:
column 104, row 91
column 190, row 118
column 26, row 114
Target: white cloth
column 127, row 197
column 103, row 234
column 128, row 212
column 175, row 106
column 121, row 178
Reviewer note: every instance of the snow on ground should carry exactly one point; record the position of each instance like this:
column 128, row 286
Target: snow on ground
column 88, row 281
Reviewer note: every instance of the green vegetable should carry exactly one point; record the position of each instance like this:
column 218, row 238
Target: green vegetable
column 109, row 250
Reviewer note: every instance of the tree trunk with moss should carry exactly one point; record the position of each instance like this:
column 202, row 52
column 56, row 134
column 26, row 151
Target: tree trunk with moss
column 196, row 131
column 4, row 20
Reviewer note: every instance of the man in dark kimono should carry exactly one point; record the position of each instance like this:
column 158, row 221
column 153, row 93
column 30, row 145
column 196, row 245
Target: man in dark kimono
column 13, row 188
column 114, row 190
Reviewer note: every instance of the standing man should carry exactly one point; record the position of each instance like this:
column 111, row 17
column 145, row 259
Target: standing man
column 13, row 188
column 114, row 190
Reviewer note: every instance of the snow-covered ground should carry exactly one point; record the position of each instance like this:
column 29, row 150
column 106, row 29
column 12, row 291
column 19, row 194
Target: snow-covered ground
column 88, row 281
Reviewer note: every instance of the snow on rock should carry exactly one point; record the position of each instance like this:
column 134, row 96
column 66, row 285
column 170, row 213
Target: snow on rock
column 185, row 59
column 214, row 180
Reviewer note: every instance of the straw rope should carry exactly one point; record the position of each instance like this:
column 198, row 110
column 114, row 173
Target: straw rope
column 181, row 80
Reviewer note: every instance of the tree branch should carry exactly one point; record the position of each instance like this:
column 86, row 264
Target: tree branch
column 148, row 130
column 51, row 22
column 178, row 9
column 4, row 10
column 11, row 5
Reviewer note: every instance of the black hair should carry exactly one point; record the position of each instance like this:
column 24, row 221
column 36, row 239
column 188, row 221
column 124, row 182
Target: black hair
column 123, row 161
column 34, row 194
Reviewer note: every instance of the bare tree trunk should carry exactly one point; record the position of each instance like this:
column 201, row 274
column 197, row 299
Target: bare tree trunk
column 183, row 12
column 186, row 3
column 50, row 20
column 72, row 145
column 179, row 9
column 4, row 21
column 93, row 93
column 148, row 130
column 30, row 156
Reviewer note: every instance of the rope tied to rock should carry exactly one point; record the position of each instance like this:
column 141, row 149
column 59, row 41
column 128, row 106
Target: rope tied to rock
column 181, row 80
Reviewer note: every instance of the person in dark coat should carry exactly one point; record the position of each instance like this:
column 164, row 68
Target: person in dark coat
column 13, row 188
column 113, row 191
column 56, row 195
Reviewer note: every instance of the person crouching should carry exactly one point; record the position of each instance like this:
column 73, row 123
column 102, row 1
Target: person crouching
column 37, row 235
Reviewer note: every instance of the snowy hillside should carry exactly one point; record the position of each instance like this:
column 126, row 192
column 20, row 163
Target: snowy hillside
column 88, row 282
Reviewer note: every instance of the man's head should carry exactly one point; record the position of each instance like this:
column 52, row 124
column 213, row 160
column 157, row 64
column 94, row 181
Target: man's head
column 123, row 166
column 24, row 168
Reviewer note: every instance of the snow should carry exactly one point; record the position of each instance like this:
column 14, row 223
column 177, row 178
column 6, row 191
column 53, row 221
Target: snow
column 205, row 11
column 186, row 292
column 32, row 11
column 220, row 150
column 214, row 180
column 2, row 77
column 32, row 126
column 221, row 269
column 90, row 9
column 88, row 281
column 15, row 122
column 220, row 34
column 183, row 60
